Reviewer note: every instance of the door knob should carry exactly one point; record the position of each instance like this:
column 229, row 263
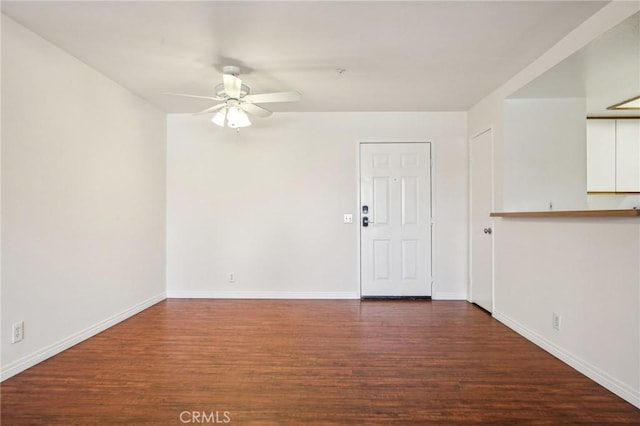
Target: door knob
column 487, row 230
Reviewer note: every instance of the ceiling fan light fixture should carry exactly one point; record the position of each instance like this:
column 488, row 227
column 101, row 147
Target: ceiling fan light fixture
column 220, row 117
column 633, row 103
column 236, row 117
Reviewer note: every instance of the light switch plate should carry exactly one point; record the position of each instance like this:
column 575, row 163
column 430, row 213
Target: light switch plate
column 348, row 218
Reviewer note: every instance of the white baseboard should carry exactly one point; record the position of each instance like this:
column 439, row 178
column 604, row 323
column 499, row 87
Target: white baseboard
column 173, row 294
column 54, row 349
column 622, row 390
column 443, row 295
column 261, row 295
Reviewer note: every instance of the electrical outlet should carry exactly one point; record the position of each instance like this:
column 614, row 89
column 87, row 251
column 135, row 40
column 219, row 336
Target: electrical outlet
column 556, row 320
column 17, row 334
column 232, row 277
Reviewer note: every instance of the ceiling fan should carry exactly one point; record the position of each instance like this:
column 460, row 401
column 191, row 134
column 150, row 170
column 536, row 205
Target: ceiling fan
column 236, row 101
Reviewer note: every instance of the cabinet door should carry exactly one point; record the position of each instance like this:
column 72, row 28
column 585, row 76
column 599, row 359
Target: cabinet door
column 601, row 155
column 628, row 155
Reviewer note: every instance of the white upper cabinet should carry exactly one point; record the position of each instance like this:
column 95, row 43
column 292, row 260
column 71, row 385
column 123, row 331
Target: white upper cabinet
column 613, row 155
column 628, row 155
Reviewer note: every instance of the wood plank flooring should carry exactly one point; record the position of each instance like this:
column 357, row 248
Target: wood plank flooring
column 297, row 362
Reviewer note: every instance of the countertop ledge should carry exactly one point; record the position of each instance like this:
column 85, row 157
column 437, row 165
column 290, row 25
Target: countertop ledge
column 571, row 213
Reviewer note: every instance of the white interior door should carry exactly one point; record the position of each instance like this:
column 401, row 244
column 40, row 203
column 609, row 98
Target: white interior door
column 481, row 222
column 395, row 219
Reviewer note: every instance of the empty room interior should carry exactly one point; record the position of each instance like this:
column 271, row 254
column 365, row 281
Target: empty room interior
column 320, row 212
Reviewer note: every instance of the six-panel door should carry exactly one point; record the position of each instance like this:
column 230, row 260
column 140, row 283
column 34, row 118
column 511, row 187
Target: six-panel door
column 395, row 193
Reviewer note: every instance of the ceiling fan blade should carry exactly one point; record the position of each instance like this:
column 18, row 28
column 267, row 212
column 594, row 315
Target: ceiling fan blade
column 211, row 109
column 255, row 109
column 266, row 98
column 232, row 85
column 212, row 98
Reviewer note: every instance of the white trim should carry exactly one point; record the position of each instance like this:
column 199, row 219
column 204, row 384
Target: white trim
column 433, row 228
column 29, row 361
column 261, row 295
column 611, row 383
column 447, row 295
column 358, row 215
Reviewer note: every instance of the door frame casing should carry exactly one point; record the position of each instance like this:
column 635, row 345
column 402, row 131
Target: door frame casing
column 431, row 205
column 491, row 220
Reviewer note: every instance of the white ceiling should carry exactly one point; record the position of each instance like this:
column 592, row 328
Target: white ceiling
column 605, row 72
column 398, row 56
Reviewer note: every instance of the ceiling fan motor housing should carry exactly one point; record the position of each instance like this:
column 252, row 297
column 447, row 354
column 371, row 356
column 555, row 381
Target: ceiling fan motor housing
column 244, row 90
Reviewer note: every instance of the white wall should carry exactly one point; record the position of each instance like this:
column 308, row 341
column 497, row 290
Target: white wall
column 614, row 202
column 267, row 203
column 587, row 270
column 83, row 228
column 545, row 160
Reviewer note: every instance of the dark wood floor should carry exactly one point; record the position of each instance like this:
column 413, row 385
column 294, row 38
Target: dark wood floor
column 308, row 362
